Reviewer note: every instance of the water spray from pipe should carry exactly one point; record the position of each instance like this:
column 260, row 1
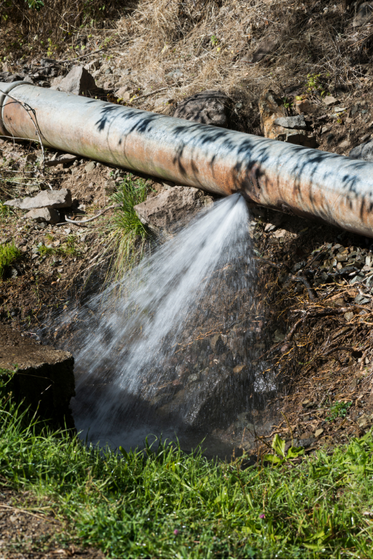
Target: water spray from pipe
column 134, row 349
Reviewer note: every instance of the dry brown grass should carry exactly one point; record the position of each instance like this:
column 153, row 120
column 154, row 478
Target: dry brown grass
column 210, row 42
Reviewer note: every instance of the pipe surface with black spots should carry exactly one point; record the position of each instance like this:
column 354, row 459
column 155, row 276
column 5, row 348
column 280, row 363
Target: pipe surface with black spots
column 283, row 176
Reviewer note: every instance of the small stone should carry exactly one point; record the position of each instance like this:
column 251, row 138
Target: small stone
column 319, row 432
column 269, row 227
column 237, row 369
column 175, row 74
column 279, row 233
column 344, row 145
column 77, row 81
column 306, row 442
column 271, row 111
column 214, row 340
column 363, row 151
column 366, row 137
column 43, row 215
column 330, row 100
column 123, row 93
column 358, row 278
column 349, row 316
column 90, row 167
column 292, row 122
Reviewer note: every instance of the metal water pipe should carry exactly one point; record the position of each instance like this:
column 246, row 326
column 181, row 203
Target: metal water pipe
column 283, row 176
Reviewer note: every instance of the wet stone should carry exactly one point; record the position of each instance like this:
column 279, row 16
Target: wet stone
column 44, row 378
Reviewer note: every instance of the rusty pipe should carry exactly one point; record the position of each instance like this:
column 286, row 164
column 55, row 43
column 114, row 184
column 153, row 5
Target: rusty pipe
column 304, row 181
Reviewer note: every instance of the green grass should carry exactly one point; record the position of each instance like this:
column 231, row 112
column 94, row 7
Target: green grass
column 9, row 253
column 338, row 410
column 164, row 503
column 67, row 249
column 128, row 234
column 5, row 211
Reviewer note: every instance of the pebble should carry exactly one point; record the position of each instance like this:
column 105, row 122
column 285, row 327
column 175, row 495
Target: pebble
column 90, row 167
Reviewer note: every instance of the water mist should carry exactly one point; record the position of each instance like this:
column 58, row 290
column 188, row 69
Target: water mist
column 168, row 348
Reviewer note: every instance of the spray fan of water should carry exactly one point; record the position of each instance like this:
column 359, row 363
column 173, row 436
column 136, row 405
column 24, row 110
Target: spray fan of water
column 168, row 348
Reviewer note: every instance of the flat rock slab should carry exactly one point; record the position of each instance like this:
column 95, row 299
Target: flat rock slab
column 44, row 376
column 45, row 199
column 292, row 122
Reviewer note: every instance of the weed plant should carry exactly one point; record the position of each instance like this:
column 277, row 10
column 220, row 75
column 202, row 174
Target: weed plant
column 163, row 503
column 67, row 249
column 9, row 253
column 128, row 233
column 338, row 410
column 5, row 211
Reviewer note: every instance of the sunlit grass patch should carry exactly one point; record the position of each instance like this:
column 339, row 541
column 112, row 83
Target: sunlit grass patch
column 9, row 253
column 164, row 503
column 128, row 233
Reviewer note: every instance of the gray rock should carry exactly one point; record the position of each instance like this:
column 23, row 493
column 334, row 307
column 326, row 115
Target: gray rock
column 45, row 376
column 77, row 81
column 330, row 100
column 207, row 107
column 45, row 199
column 363, row 15
column 172, row 208
column 49, row 215
column 90, row 167
column 292, row 122
column 363, row 151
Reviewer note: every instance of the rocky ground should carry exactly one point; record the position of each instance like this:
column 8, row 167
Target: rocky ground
column 315, row 282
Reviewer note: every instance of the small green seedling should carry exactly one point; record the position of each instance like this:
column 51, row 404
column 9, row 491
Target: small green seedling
column 338, row 410
column 278, row 445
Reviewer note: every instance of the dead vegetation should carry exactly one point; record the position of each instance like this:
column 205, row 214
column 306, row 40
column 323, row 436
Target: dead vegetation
column 182, row 47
